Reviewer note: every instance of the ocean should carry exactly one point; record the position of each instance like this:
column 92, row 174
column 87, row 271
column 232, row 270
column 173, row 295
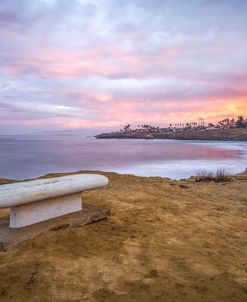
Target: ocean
column 28, row 156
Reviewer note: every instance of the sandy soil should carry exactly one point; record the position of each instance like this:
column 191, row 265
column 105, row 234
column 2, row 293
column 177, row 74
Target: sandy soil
column 165, row 241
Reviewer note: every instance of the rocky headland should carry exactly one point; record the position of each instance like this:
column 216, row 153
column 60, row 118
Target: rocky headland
column 216, row 134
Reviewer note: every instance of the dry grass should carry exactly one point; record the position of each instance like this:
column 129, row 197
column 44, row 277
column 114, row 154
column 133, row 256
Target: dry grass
column 221, row 175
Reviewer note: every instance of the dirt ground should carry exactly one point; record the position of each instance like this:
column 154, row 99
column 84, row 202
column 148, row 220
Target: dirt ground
column 164, row 241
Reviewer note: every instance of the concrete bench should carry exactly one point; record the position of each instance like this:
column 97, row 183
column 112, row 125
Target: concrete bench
column 38, row 200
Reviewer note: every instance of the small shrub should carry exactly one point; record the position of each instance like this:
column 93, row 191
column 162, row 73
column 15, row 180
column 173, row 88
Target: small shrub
column 221, row 175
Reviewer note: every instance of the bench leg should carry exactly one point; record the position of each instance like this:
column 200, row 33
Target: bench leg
column 31, row 213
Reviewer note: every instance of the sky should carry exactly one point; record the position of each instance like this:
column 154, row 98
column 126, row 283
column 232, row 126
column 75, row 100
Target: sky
column 100, row 64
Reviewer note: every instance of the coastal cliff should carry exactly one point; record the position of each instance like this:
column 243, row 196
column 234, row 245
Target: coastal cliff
column 216, row 134
column 165, row 241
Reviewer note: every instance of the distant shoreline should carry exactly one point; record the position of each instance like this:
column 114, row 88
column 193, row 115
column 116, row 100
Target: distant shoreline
column 216, row 134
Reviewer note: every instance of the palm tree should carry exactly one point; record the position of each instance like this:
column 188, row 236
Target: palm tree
column 127, row 128
column 240, row 122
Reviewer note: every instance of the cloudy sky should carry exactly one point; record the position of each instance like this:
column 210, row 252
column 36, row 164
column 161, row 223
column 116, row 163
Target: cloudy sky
column 67, row 64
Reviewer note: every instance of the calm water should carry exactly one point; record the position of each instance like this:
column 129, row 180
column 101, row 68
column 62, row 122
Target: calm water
column 30, row 156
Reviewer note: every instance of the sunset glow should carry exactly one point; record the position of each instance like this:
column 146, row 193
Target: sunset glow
column 102, row 64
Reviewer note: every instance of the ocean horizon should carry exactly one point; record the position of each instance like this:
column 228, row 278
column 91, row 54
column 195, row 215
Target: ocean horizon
column 30, row 156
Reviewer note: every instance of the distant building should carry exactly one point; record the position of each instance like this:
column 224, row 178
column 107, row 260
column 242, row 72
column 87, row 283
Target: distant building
column 211, row 128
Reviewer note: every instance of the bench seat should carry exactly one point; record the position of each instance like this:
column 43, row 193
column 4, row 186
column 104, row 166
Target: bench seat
column 38, row 200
